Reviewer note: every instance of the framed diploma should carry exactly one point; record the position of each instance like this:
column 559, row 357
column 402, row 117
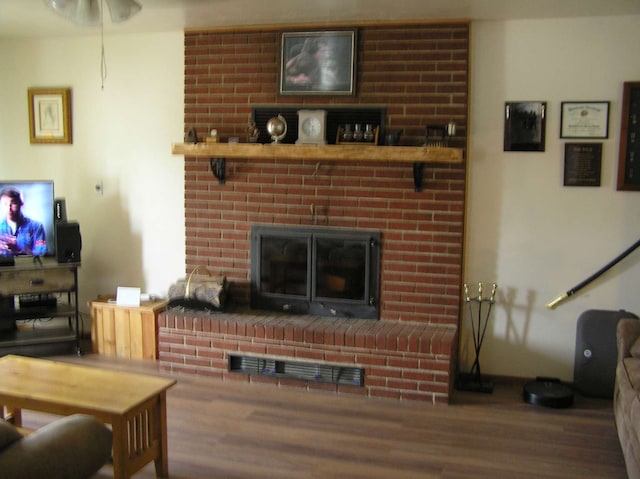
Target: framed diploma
column 584, row 119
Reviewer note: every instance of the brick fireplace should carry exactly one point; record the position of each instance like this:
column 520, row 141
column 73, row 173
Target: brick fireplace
column 419, row 73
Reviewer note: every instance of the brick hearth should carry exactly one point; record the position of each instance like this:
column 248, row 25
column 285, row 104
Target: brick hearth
column 400, row 360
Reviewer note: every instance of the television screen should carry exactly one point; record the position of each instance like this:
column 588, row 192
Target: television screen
column 27, row 218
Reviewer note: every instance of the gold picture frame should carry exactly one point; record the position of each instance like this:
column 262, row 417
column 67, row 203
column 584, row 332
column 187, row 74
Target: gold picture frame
column 49, row 115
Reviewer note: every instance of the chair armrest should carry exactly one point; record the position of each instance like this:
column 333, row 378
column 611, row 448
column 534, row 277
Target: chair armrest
column 72, row 447
column 627, row 332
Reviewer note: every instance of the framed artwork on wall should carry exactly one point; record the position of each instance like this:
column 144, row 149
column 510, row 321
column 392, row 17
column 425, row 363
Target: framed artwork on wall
column 318, row 63
column 49, row 115
column 584, row 119
column 524, row 126
column 629, row 151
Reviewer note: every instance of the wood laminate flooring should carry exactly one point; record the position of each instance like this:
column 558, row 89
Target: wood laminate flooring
column 235, row 430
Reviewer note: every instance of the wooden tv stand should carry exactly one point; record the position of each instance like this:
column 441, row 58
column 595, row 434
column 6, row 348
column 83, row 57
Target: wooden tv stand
column 31, row 294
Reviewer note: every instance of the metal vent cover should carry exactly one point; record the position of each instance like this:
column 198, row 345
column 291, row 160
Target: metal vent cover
column 316, row 372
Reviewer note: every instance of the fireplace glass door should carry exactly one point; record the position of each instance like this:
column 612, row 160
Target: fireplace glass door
column 341, row 268
column 285, row 265
column 327, row 272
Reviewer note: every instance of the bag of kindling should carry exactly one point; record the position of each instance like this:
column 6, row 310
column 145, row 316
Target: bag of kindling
column 199, row 293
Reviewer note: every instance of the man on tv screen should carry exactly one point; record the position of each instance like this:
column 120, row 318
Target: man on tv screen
column 19, row 235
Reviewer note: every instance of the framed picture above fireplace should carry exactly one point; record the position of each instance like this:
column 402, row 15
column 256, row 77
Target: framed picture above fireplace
column 318, row 63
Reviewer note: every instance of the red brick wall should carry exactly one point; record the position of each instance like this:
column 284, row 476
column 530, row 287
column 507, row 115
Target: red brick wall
column 420, row 74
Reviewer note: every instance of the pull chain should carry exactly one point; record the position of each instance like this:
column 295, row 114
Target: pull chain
column 103, row 59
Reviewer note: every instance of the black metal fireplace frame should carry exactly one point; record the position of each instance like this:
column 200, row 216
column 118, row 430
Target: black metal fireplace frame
column 312, row 302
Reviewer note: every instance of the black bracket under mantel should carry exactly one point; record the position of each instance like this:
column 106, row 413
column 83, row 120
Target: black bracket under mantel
column 219, row 165
column 418, row 174
column 218, row 168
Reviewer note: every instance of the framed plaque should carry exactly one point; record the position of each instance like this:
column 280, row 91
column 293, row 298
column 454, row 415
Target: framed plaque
column 584, row 119
column 524, row 125
column 629, row 153
column 582, row 164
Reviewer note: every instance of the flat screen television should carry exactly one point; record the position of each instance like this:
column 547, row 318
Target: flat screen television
column 27, row 225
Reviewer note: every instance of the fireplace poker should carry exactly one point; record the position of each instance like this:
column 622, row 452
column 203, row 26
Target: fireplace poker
column 478, row 336
column 473, row 381
column 595, row 275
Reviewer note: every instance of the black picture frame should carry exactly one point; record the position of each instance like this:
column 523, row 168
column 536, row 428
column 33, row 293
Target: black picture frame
column 582, row 164
column 525, row 126
column 584, row 119
column 318, row 63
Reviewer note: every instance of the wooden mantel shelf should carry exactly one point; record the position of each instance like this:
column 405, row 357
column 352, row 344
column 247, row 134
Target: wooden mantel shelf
column 355, row 152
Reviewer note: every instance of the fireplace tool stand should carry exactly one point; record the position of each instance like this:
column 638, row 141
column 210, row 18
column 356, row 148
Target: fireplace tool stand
column 473, row 380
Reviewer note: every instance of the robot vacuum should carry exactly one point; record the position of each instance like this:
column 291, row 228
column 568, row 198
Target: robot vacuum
column 548, row 392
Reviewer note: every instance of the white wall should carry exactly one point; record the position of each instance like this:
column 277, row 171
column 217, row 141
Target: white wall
column 133, row 234
column 525, row 230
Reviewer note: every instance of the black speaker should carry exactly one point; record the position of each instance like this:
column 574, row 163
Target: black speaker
column 60, row 210
column 68, row 242
column 594, row 369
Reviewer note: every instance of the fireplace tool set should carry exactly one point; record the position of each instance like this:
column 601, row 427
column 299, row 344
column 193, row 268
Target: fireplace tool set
column 473, row 380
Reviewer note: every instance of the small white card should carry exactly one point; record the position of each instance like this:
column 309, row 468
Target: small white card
column 126, row 296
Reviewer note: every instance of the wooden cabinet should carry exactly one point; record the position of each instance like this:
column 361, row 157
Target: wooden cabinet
column 125, row 331
column 32, row 293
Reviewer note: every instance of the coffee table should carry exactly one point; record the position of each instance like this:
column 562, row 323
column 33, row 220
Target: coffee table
column 133, row 404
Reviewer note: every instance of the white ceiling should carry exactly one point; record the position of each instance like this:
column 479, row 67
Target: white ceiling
column 28, row 18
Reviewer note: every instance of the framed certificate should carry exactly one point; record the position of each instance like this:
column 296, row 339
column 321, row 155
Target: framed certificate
column 584, row 119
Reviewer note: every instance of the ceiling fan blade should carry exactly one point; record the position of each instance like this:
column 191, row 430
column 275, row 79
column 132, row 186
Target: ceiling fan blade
column 122, row 10
column 82, row 12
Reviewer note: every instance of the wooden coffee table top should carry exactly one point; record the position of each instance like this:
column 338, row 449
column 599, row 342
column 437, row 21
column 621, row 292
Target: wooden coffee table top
column 65, row 388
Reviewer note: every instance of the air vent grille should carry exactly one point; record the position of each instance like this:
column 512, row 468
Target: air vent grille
column 325, row 373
